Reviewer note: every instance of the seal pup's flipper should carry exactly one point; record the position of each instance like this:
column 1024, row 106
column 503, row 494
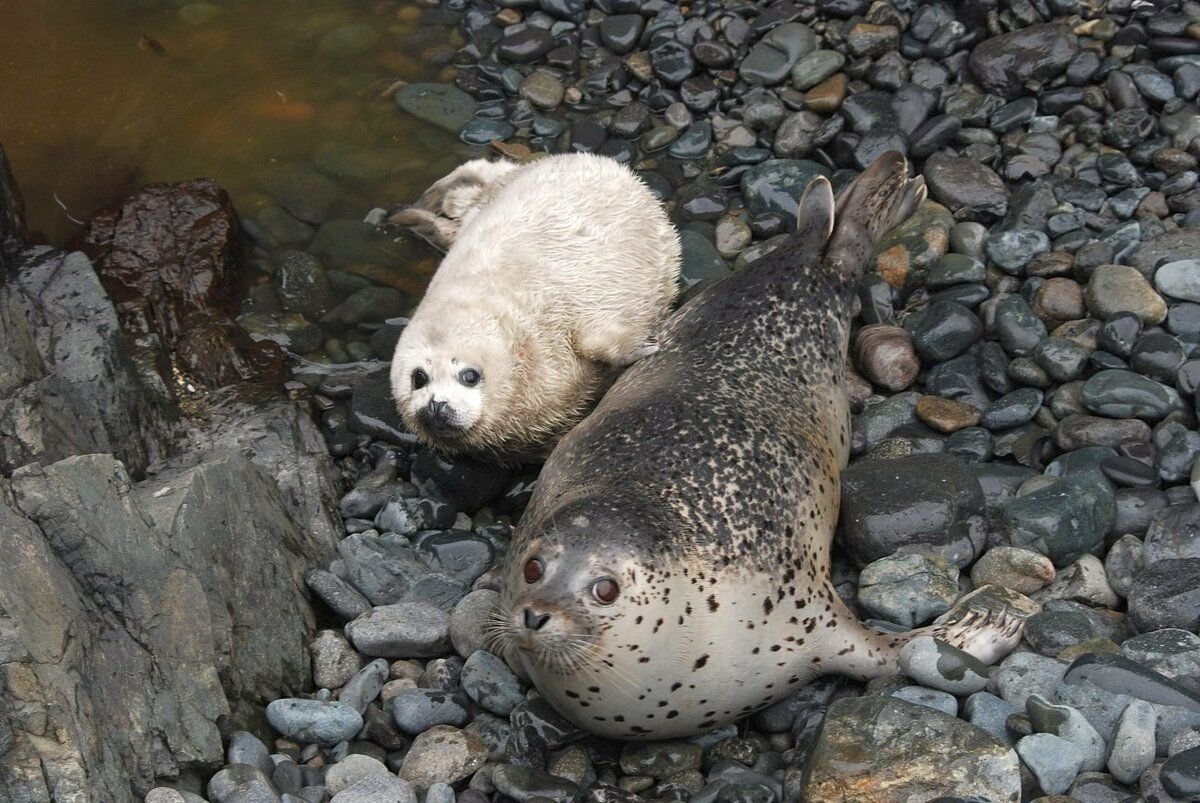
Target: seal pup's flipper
column 442, row 209
column 876, row 201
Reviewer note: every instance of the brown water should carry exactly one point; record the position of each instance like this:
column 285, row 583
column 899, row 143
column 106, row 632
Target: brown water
column 98, row 97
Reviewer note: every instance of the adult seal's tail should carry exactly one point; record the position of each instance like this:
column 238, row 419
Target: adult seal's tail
column 671, row 573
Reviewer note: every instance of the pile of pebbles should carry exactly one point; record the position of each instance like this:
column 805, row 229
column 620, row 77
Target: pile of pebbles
column 1025, row 358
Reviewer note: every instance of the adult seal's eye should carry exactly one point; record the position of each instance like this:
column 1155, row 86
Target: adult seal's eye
column 533, row 570
column 605, row 591
column 470, row 377
column 419, row 379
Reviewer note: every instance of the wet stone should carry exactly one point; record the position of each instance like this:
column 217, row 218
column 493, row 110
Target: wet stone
column 909, row 589
column 1113, row 289
column 322, row 722
column 971, row 190
column 930, row 698
column 1068, row 723
column 1124, row 394
column 1012, row 409
column 770, row 61
column 813, row 68
column 672, row 61
column 659, row 759
column 775, row 186
column 1180, row 774
column 417, row 710
column 920, row 500
column 946, row 330
column 879, row 748
column 937, row 665
column 404, row 630
column 1166, row 595
column 443, row 105
column 489, row 682
column 1012, row 249
column 241, row 783
column 1062, row 520
column 620, row 32
column 1179, row 279
column 1021, row 570
column 1053, row 761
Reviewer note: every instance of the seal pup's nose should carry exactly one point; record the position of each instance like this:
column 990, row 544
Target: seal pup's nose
column 438, row 414
column 534, row 620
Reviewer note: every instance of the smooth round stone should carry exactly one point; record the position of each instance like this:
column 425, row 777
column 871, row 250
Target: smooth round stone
column 350, row 770
column 1119, row 333
column 700, row 259
column 377, row 788
column 938, row 665
column 524, row 784
column 1061, row 358
column 1123, row 394
column 946, row 330
column 694, row 142
column 712, row 53
column 953, row 269
column 362, row 689
column 1173, row 652
column 521, row 45
column 1018, row 329
column 314, row 721
column 1166, row 595
column 775, row 186
column 443, row 105
column 246, row 748
column 1068, row 723
column 672, row 61
column 908, row 589
column 1114, row 289
column 917, row 500
column 699, row 93
column 1012, row 409
column 1129, row 472
column 1021, row 570
column 489, row 682
column 1180, row 774
column 241, row 783
column 417, row 710
column 543, row 90
column 1179, row 279
column 813, row 68
column 1024, row 674
column 1012, row 249
column 1062, row 520
column 403, row 630
column 772, row 58
column 479, row 131
column 930, row 698
column 968, row 238
column 1054, row 762
column 470, row 620
column 334, row 662
column 620, row 32
column 1157, row 355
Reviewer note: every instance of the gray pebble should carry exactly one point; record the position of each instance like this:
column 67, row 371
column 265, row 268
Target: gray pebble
column 1133, row 746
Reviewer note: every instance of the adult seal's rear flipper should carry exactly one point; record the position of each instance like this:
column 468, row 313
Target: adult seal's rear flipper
column 879, row 199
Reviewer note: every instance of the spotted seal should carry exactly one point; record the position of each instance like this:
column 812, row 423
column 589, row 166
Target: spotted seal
column 671, row 573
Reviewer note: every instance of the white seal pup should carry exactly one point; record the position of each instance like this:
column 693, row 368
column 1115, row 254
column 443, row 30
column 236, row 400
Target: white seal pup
column 559, row 275
column 671, row 572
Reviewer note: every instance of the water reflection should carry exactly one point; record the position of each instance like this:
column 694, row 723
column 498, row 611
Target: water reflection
column 286, row 104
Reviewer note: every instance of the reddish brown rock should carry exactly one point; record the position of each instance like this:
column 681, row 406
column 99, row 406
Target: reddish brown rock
column 946, row 415
column 167, row 257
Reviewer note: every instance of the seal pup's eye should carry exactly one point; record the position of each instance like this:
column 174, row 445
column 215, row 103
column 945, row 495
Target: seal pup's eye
column 605, row 591
column 533, row 570
column 469, row 377
column 419, row 379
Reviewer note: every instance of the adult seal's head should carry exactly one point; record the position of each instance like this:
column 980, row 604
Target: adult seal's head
column 671, row 572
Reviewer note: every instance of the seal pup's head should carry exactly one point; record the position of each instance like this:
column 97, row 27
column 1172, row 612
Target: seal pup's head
column 452, row 376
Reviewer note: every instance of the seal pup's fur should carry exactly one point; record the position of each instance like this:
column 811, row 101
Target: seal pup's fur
column 671, row 572
column 558, row 276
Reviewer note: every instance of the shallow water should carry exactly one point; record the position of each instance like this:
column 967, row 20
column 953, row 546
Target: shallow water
column 268, row 97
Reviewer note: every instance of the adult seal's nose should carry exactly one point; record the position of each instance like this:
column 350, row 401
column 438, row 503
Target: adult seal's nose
column 535, row 620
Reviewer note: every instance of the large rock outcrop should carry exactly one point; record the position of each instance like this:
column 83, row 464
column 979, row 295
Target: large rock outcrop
column 152, row 595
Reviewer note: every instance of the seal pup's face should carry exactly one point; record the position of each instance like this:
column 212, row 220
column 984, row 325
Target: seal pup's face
column 448, row 381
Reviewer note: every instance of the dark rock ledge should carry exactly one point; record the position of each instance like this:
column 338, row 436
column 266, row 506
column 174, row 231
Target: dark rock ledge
column 152, row 597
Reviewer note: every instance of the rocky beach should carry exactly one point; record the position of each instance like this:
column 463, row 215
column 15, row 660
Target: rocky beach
column 231, row 576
